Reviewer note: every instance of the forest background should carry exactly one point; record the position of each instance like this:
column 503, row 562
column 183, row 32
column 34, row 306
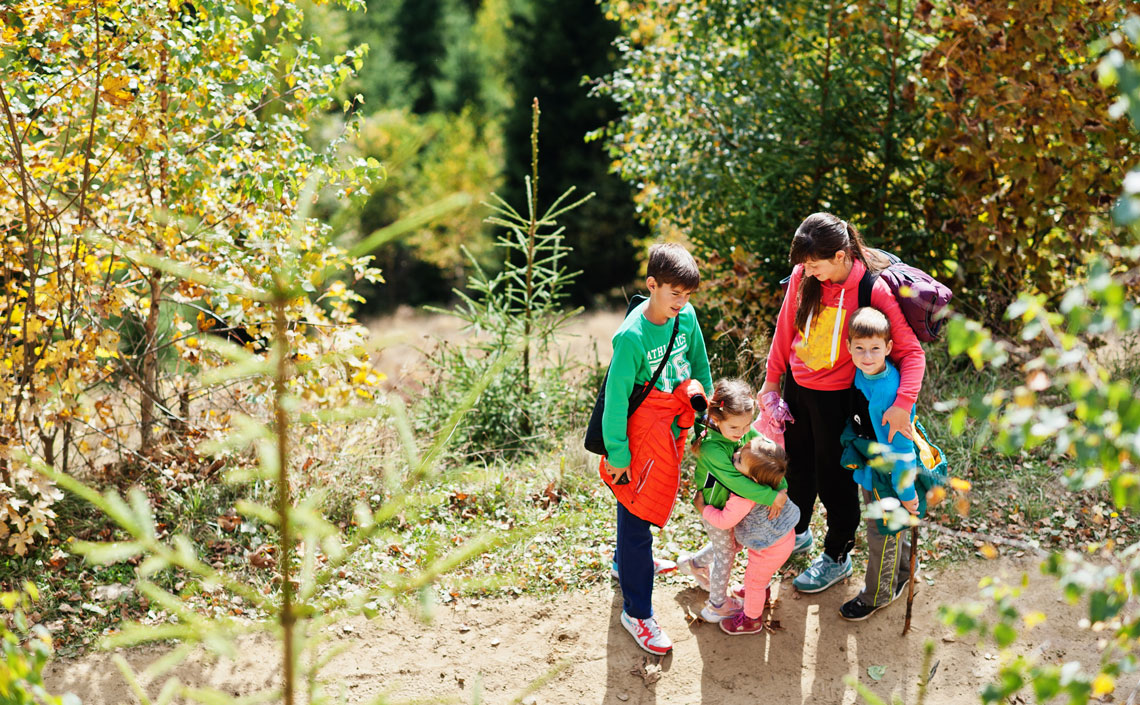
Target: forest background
column 203, row 199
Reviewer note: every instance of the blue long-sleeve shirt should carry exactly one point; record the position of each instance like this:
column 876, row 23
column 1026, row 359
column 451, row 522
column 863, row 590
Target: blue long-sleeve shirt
column 880, row 391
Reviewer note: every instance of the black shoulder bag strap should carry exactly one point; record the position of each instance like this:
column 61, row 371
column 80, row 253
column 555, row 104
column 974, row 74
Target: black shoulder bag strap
column 640, row 395
column 593, row 440
column 866, row 284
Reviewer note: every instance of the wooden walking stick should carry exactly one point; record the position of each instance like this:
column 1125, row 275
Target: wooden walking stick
column 910, row 587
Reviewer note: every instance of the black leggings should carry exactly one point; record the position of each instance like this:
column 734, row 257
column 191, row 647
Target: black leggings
column 814, row 470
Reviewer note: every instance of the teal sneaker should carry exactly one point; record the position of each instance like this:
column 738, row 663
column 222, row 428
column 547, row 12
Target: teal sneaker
column 822, row 574
column 804, row 542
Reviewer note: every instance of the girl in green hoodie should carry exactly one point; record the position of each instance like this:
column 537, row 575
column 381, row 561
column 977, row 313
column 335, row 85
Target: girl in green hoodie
column 729, row 428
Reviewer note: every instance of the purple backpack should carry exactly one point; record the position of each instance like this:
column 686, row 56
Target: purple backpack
column 921, row 297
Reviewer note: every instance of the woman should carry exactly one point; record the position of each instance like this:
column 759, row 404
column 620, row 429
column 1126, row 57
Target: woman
column 809, row 351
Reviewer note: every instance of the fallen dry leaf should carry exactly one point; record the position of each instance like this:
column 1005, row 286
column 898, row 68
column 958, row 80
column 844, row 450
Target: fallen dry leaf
column 262, row 557
column 647, row 671
column 111, row 592
column 691, row 617
column 229, row 521
column 58, row 559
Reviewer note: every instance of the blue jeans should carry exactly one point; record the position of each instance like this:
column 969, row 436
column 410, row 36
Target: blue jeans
column 634, row 558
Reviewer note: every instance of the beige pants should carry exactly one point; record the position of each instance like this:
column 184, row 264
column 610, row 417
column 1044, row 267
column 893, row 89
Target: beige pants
column 888, row 562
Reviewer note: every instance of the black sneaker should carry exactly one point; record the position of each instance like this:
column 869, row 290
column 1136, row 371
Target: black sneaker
column 855, row 610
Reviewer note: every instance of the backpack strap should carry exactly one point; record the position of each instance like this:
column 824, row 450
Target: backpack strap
column 866, row 284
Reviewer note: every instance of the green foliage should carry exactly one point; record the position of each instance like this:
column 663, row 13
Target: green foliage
column 430, row 56
column 1031, row 153
column 1080, row 406
column 556, row 49
column 1079, row 409
column 428, row 158
column 301, row 605
column 741, row 119
column 140, row 128
column 438, row 86
column 970, row 138
column 433, row 90
column 24, row 651
column 524, row 301
column 507, row 422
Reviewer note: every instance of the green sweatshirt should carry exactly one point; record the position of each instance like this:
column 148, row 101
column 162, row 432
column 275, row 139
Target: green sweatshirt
column 714, row 457
column 638, row 348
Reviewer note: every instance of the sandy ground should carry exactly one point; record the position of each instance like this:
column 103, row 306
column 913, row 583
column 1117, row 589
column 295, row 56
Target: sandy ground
column 497, row 647
column 408, row 336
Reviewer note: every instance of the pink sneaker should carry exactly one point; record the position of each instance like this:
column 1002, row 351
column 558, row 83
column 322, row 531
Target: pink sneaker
column 742, row 624
column 713, row 614
column 686, row 565
column 648, row 635
column 737, row 591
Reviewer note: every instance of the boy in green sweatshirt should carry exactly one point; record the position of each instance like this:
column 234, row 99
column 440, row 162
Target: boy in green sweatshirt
column 644, row 450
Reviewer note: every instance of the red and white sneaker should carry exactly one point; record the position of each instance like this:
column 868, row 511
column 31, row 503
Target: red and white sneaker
column 648, row 635
column 660, row 567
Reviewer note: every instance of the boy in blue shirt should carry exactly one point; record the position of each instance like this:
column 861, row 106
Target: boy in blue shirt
column 888, row 563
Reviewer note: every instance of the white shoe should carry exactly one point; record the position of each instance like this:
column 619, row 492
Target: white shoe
column 648, row 635
column 713, row 614
column 686, row 565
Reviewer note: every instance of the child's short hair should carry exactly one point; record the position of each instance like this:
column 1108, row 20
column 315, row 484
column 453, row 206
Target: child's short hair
column 731, row 397
column 764, row 462
column 670, row 263
column 869, row 323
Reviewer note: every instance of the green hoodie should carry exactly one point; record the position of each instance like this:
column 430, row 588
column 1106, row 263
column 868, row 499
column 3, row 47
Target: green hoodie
column 639, row 346
column 714, row 456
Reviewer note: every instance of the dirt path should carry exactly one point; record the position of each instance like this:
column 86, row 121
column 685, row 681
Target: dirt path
column 499, row 646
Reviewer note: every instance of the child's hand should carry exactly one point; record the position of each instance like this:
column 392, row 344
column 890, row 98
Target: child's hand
column 897, row 421
column 616, row 474
column 699, row 501
column 911, row 505
column 777, row 505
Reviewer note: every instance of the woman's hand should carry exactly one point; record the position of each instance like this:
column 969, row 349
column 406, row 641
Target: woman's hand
column 898, row 421
column 699, row 501
column 768, row 387
column 777, row 505
column 911, row 505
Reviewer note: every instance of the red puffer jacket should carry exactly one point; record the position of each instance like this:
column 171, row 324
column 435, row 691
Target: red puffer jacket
column 655, row 471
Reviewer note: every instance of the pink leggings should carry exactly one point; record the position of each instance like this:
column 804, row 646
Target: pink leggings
column 762, row 565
